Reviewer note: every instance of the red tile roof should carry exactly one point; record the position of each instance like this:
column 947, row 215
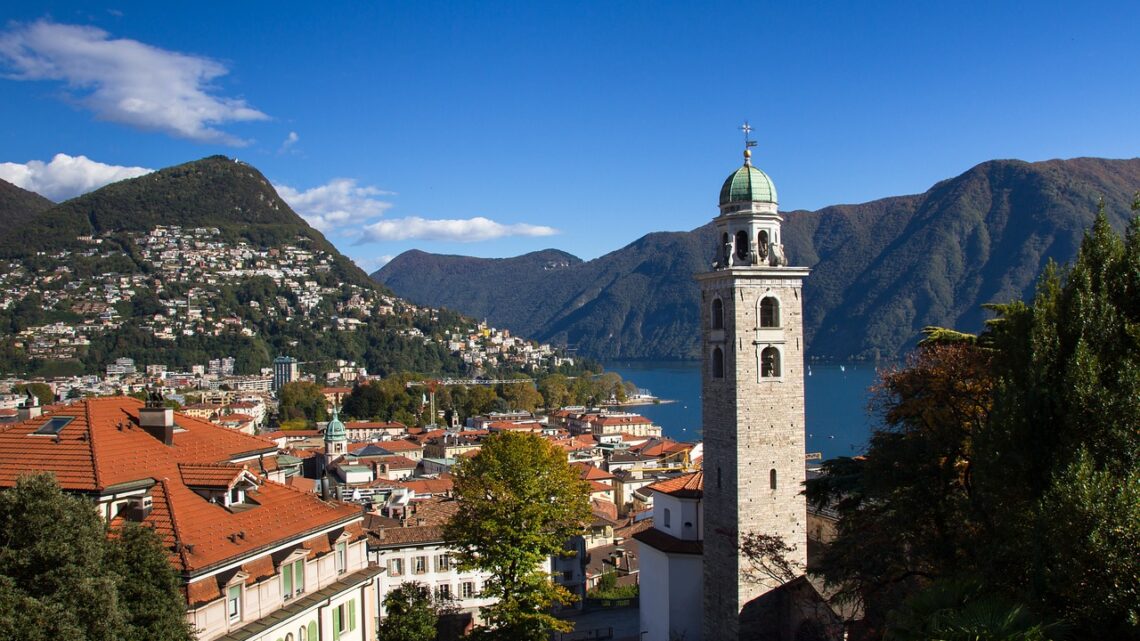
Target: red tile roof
column 686, row 486
column 104, row 446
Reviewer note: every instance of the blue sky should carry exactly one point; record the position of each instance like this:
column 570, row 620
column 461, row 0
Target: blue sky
column 493, row 129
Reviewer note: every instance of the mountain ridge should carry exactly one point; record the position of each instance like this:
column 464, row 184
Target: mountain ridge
column 881, row 270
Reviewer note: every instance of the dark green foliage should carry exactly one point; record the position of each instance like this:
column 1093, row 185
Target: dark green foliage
column 17, row 206
column 42, row 391
column 410, row 614
column 881, row 271
column 62, row 578
column 302, row 399
column 1011, row 462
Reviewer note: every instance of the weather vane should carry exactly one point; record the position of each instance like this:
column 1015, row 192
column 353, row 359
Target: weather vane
column 747, row 129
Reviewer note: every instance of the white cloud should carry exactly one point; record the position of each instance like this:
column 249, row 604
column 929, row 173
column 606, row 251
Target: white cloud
column 371, row 263
column 338, row 203
column 126, row 81
column 66, row 176
column 290, row 140
column 467, row 230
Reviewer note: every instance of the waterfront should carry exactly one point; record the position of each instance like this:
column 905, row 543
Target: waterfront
column 836, row 396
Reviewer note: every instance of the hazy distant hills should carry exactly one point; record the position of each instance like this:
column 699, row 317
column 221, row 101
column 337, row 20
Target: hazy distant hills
column 881, row 270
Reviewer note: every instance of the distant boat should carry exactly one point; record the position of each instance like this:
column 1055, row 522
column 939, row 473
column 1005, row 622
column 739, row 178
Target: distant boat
column 842, row 368
column 809, row 370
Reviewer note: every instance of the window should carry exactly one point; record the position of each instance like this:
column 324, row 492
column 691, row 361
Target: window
column 419, row 565
column 769, row 312
column 301, row 634
column 467, row 589
column 665, row 520
column 770, row 363
column 233, row 602
column 292, row 578
column 395, row 567
column 718, row 363
column 443, row 592
column 288, row 636
column 341, row 558
column 443, row 563
column 772, row 478
column 717, row 314
column 742, row 245
column 344, row 618
column 313, row 631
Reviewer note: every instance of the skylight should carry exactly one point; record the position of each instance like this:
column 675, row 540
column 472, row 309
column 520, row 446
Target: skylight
column 55, row 425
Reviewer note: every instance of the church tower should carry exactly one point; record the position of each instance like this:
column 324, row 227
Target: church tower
column 752, row 385
column 336, row 438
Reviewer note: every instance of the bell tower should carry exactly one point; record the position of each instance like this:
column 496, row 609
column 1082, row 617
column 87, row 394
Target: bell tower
column 752, row 384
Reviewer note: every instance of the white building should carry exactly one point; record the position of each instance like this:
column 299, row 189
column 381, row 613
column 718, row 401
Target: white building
column 672, row 561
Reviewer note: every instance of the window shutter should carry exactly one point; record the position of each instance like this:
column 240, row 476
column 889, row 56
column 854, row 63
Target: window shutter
column 352, row 614
column 336, row 624
column 287, row 580
column 299, row 579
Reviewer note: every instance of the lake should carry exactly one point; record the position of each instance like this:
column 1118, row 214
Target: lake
column 836, row 405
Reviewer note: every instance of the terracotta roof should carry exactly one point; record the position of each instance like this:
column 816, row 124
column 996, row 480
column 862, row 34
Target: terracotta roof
column 399, row 445
column 397, row 462
column 621, row 420
column 209, row 475
column 428, row 486
column 686, row 486
column 591, row 472
column 669, row 544
column 103, row 446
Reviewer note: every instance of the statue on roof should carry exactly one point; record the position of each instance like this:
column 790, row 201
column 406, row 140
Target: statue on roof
column 154, row 397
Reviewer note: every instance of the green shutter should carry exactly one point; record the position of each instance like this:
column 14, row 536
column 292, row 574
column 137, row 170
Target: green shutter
column 299, row 575
column 352, row 614
column 336, row 623
column 313, row 631
column 287, row 580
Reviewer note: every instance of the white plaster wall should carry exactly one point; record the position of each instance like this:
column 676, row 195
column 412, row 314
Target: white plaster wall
column 686, row 596
column 655, row 610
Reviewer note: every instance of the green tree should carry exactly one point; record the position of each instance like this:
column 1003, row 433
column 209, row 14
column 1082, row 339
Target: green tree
column 521, row 396
column 1010, row 460
column 555, row 390
column 410, row 614
column 302, row 399
column 519, row 501
column 41, row 391
column 61, row 577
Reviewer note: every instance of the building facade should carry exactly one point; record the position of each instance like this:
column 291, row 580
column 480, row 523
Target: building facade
column 753, row 390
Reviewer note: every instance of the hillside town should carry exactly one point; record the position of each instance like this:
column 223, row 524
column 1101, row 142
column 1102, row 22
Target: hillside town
column 174, row 283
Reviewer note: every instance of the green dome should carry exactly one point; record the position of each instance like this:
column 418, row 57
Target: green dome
column 748, row 184
column 335, row 430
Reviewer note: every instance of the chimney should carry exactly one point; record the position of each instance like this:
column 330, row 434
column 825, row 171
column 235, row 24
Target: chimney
column 158, row 422
column 29, row 409
column 138, row 508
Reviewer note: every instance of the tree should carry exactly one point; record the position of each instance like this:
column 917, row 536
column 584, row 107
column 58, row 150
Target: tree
column 61, row 577
column 555, row 390
column 1010, row 460
column 519, row 502
column 301, row 399
column 410, row 614
column 41, row 391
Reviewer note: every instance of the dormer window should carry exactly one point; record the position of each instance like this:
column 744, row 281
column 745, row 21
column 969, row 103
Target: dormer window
column 293, row 575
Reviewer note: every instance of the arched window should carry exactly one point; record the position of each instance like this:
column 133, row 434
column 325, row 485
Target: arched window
column 742, row 245
column 718, row 363
column 769, row 312
column 718, row 314
column 762, row 245
column 301, row 634
column 772, row 478
column 726, row 252
column 666, row 520
column 770, row 363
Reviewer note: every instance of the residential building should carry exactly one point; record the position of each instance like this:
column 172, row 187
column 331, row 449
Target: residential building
column 258, row 559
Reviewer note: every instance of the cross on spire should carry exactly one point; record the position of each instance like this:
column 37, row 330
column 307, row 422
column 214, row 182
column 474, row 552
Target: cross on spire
column 747, row 129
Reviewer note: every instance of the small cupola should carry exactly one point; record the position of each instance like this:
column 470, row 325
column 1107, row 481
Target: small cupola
column 749, row 222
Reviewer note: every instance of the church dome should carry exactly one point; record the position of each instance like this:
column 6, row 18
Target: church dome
column 335, row 430
column 748, row 184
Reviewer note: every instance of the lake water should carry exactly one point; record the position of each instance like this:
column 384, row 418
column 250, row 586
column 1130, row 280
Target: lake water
column 836, row 412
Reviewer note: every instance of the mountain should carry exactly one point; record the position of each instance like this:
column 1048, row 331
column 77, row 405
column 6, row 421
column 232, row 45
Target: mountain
column 215, row 192
column 19, row 205
column 199, row 262
column 880, row 270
